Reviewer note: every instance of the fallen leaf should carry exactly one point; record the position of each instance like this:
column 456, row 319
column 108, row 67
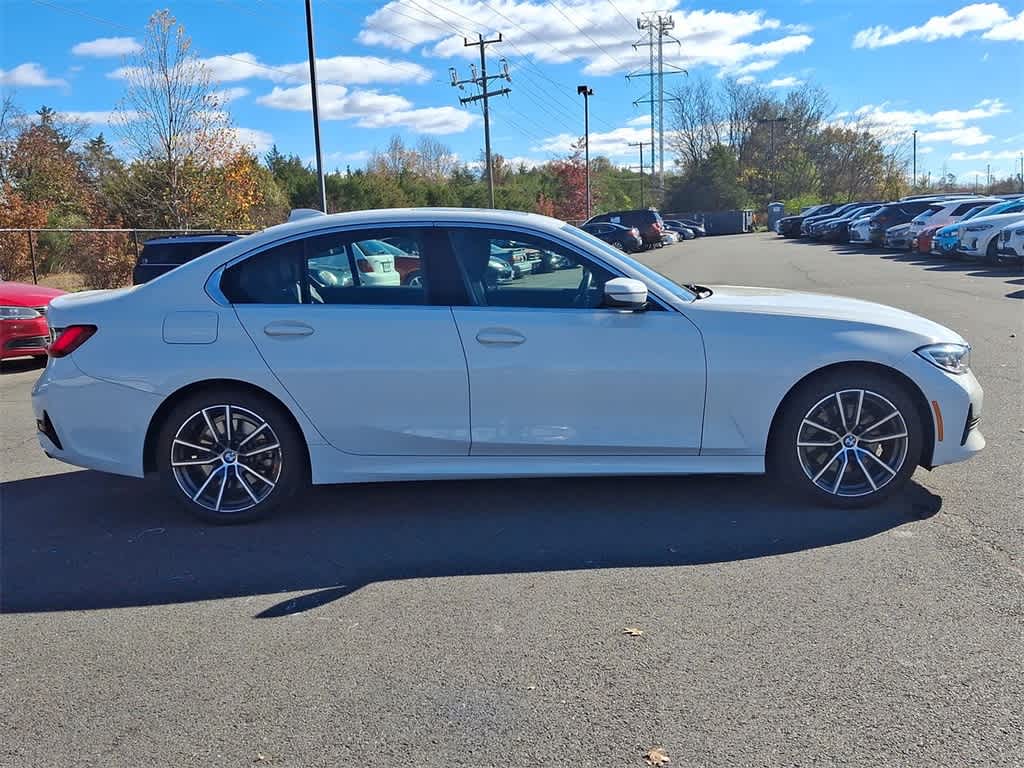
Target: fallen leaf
column 261, row 758
column 632, row 631
column 657, row 756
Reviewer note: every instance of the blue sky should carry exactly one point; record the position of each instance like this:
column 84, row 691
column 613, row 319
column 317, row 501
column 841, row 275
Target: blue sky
column 952, row 70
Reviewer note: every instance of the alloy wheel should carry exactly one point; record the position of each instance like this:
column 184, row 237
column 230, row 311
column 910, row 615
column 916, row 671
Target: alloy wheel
column 226, row 458
column 852, row 442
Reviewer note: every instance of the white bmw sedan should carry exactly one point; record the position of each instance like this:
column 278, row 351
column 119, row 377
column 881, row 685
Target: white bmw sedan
column 244, row 375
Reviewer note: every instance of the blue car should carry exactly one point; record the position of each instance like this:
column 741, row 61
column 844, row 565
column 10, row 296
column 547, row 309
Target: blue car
column 947, row 240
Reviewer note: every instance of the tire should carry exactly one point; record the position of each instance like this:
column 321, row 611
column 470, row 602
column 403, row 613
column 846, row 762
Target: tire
column 991, row 254
column 256, row 467
column 414, row 280
column 618, row 246
column 853, row 483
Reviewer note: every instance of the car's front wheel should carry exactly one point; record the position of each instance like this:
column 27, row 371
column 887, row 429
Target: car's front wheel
column 230, row 456
column 848, row 438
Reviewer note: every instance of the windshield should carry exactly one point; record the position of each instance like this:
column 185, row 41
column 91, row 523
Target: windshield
column 973, row 212
column 1011, row 206
column 670, row 285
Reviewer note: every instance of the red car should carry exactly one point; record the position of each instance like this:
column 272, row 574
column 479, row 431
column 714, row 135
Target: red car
column 23, row 328
column 924, row 239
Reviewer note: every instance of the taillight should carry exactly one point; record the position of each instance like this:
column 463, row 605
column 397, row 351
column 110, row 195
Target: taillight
column 69, row 339
column 635, row 232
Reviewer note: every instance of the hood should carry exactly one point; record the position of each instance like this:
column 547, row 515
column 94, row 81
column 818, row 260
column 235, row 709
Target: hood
column 26, row 295
column 998, row 219
column 779, row 301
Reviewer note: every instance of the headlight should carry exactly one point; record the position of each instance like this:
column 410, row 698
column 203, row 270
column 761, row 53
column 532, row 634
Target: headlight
column 955, row 358
column 977, row 227
column 18, row 313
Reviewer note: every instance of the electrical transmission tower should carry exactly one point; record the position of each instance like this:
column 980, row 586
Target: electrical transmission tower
column 481, row 80
column 658, row 27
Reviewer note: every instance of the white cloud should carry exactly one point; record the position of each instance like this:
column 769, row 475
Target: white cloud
column 227, row 95
column 1009, row 30
column 746, row 80
column 754, row 66
column 614, row 143
column 256, row 140
column 976, row 17
column 540, row 30
column 354, row 70
column 988, row 155
column 337, row 70
column 925, row 150
column 967, row 136
column 785, row 82
column 949, row 125
column 29, row 75
column 359, row 156
column 100, row 117
column 106, row 47
column 370, row 109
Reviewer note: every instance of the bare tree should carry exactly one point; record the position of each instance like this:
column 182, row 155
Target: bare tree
column 172, row 120
column 436, row 160
column 697, row 121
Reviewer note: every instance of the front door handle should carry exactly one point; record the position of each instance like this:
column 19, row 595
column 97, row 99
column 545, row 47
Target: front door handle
column 287, row 328
column 500, row 336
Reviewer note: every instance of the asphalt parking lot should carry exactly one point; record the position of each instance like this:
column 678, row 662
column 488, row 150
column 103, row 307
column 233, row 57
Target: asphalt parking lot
column 481, row 623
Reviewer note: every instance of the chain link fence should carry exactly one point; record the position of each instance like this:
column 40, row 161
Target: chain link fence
column 93, row 258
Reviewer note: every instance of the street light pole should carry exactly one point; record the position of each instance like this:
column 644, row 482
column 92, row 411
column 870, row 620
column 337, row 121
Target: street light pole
column 316, row 106
column 586, row 92
column 641, row 145
column 913, row 181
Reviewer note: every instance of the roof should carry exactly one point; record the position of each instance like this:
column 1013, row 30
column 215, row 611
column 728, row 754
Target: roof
column 223, row 237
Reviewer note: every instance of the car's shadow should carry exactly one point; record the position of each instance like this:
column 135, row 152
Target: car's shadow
column 85, row 540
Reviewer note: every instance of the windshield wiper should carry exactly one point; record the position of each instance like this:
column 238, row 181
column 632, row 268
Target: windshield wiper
column 699, row 291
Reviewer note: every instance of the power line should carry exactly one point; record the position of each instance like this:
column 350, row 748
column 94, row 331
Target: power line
column 624, row 17
column 582, row 32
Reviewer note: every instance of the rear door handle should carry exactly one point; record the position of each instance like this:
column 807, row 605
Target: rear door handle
column 287, row 328
column 500, row 336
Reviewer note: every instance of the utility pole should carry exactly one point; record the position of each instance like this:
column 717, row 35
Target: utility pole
column 913, row 186
column 1022, row 172
column 316, row 106
column 988, row 176
column 641, row 145
column 657, row 27
column 771, row 122
column 482, row 82
column 586, row 92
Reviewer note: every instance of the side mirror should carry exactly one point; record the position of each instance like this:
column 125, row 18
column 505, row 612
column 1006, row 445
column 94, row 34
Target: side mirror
column 625, row 293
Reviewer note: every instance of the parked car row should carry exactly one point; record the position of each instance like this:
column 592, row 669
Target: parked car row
column 986, row 228
column 641, row 229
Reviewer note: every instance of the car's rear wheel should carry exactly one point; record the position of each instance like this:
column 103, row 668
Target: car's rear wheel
column 848, row 438
column 230, row 456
